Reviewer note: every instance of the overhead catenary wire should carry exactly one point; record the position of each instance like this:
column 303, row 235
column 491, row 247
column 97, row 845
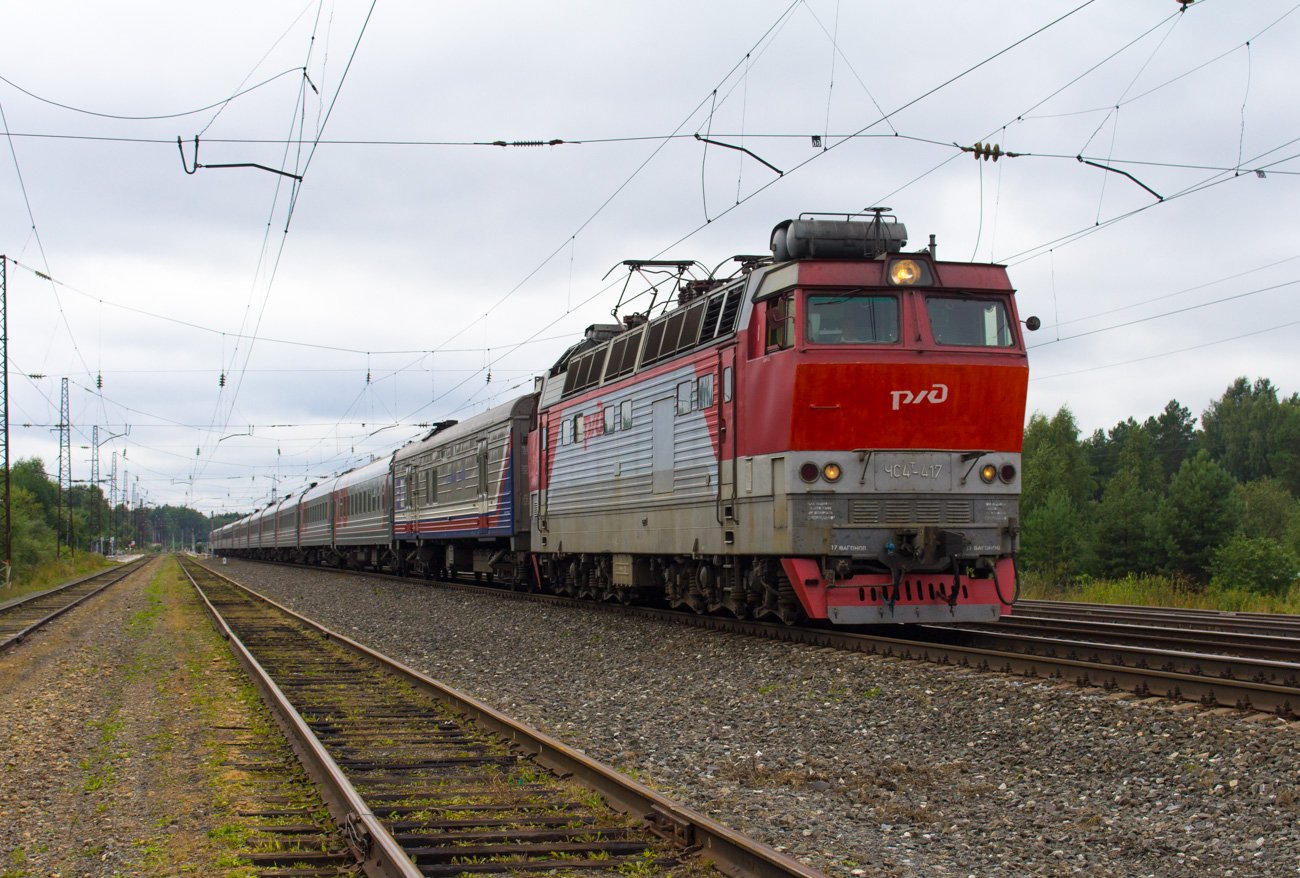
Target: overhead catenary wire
column 752, row 138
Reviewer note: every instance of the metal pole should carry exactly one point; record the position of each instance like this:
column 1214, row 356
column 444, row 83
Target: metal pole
column 65, row 466
column 4, row 404
column 96, row 496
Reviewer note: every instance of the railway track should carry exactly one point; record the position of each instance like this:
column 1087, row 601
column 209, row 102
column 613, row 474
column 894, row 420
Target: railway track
column 1263, row 624
column 1144, row 661
column 1188, row 640
column 22, row 616
column 427, row 781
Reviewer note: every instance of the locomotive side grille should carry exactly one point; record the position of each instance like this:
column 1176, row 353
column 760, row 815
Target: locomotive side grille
column 898, row 509
column 929, row 511
column 864, row 512
column 959, row 512
column 730, row 311
column 910, row 510
column 710, row 329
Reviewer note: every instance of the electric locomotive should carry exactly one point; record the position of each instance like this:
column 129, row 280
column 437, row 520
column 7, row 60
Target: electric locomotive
column 834, row 433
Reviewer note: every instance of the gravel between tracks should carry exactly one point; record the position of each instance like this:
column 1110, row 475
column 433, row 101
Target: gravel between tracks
column 858, row 765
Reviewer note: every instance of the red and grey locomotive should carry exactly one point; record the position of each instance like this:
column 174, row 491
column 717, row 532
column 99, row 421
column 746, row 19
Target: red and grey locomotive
column 833, row 433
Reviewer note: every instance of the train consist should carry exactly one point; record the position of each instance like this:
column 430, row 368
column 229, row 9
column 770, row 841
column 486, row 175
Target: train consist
column 833, row 432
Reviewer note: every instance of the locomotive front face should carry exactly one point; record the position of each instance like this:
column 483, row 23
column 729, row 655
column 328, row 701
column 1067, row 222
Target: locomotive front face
column 898, row 424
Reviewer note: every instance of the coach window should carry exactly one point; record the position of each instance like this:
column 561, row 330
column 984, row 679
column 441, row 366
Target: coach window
column 704, row 391
column 577, row 428
column 727, row 380
column 969, row 322
column 625, row 411
column 610, row 416
column 849, row 319
column 780, row 323
column 684, row 397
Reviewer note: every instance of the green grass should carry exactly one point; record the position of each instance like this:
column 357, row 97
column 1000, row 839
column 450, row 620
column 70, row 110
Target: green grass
column 1159, row 591
column 52, row 573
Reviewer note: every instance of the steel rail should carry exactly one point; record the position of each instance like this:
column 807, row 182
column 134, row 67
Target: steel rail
column 1282, row 700
column 70, row 590
column 1222, row 620
column 1286, row 673
column 1261, row 646
column 372, row 845
column 729, row 851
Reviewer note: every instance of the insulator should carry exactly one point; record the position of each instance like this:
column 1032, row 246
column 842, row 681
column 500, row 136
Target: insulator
column 221, row 382
column 99, row 381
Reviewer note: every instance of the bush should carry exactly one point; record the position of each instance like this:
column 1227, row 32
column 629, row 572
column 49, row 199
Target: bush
column 1254, row 564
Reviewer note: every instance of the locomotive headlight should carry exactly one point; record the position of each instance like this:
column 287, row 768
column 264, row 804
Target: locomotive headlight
column 808, row 472
column 908, row 272
column 831, row 472
column 1007, row 473
column 988, row 472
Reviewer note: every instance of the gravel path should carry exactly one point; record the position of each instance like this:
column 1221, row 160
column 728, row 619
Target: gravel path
column 116, row 722
column 858, row 765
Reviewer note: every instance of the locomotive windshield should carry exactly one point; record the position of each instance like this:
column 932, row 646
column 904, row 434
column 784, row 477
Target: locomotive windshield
column 850, row 319
column 969, row 322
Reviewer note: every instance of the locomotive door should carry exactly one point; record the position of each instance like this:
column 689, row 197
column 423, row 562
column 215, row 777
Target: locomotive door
column 662, row 412
column 725, row 400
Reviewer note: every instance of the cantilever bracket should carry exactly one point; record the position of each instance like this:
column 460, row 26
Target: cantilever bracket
column 768, row 164
column 1158, row 196
column 180, row 146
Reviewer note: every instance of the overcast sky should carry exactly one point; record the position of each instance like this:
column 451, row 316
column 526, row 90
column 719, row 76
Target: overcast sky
column 427, row 274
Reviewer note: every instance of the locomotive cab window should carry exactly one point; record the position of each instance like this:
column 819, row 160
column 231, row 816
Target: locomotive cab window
column 780, row 323
column 851, row 319
column 969, row 322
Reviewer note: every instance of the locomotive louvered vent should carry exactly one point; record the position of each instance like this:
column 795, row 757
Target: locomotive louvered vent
column 730, row 311
column 591, row 366
column 654, row 340
column 622, row 353
column 910, row 510
column 677, row 332
column 711, row 314
column 672, row 334
column 691, row 326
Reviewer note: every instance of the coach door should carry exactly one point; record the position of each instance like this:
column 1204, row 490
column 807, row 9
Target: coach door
column 481, row 467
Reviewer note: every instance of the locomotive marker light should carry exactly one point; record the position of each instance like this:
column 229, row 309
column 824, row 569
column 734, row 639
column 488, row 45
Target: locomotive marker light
column 831, row 472
column 988, row 473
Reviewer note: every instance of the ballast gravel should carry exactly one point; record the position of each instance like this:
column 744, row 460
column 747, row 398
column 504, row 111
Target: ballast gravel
column 858, row 765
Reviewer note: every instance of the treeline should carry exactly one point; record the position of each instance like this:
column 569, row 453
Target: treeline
column 1210, row 505
column 45, row 525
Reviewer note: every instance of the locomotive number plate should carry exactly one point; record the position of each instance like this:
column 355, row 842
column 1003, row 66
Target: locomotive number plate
column 922, row 472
